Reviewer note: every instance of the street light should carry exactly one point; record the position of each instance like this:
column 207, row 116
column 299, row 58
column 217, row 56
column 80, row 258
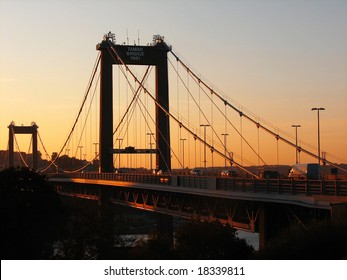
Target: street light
column 119, row 140
column 96, row 155
column 296, row 141
column 225, row 148
column 80, row 147
column 318, row 109
column 183, row 150
column 96, row 149
column 150, row 146
column 205, row 125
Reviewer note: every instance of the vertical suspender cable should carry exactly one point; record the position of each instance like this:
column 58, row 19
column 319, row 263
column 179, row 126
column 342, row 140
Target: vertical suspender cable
column 173, row 117
column 212, row 126
column 241, row 139
column 188, row 122
column 80, row 110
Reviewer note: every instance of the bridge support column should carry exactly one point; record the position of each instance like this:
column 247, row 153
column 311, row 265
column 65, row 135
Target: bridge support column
column 35, row 158
column 104, row 200
column 339, row 214
column 106, row 111
column 163, row 158
column 262, row 228
column 10, row 146
column 165, row 226
column 272, row 220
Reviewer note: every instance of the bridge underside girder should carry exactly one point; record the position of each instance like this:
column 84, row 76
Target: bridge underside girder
column 238, row 214
column 266, row 218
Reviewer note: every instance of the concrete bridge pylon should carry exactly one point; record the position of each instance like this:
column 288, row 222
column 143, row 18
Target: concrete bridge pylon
column 13, row 129
column 153, row 54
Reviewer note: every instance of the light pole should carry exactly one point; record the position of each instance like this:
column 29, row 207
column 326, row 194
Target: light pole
column 96, row 149
column 150, row 146
column 96, row 155
column 80, row 147
column 205, row 125
column 296, row 141
column 183, row 139
column 119, row 141
column 225, row 148
column 318, row 109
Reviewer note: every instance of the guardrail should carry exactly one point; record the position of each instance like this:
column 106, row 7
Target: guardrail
column 284, row 186
column 124, row 177
column 274, row 186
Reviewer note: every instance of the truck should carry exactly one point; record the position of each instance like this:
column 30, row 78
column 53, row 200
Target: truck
column 308, row 171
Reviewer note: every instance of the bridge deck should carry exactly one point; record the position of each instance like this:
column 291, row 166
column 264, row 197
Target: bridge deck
column 318, row 194
column 237, row 201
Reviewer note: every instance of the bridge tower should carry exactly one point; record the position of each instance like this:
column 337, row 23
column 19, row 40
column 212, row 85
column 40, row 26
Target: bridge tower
column 23, row 130
column 154, row 54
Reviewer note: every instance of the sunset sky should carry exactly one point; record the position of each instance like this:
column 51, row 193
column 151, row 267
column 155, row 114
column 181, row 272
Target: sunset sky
column 278, row 59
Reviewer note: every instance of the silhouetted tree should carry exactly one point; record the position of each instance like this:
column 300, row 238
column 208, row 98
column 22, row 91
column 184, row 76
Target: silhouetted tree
column 30, row 213
column 208, row 241
column 196, row 240
column 156, row 247
column 89, row 231
column 320, row 240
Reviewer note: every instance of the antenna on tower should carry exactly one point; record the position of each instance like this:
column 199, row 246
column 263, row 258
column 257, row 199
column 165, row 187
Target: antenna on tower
column 127, row 37
column 138, row 37
column 110, row 37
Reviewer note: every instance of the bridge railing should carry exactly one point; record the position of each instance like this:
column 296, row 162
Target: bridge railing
column 124, row 177
column 201, row 182
column 284, row 186
column 274, row 186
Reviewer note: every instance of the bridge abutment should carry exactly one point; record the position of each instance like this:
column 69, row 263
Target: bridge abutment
column 339, row 214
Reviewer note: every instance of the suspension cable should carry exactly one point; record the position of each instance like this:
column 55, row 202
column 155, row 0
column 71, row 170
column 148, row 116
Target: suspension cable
column 200, row 110
column 136, row 94
column 80, row 139
column 30, row 144
column 18, row 149
column 132, row 100
column 169, row 114
column 175, row 155
column 251, row 119
column 88, row 112
column 96, row 64
column 44, row 148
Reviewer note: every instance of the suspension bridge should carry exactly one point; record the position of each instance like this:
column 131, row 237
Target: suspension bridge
column 138, row 148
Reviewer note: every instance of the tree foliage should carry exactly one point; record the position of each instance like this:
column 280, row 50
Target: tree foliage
column 88, row 233
column 30, row 213
column 319, row 241
column 198, row 241
column 37, row 225
column 156, row 247
column 210, row 241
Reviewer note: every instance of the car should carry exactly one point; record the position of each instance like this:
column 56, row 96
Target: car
column 157, row 172
column 122, row 170
column 196, row 172
column 307, row 171
column 228, row 173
